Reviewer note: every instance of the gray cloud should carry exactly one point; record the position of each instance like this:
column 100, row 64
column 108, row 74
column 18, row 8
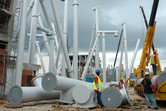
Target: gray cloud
column 111, row 15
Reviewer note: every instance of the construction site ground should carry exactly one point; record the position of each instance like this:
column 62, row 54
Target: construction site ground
column 138, row 104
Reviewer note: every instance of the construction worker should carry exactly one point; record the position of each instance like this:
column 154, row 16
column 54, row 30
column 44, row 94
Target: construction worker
column 128, row 82
column 153, row 62
column 149, row 96
column 97, row 87
column 120, row 86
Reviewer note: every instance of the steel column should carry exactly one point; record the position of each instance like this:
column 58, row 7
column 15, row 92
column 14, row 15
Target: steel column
column 21, row 41
column 59, row 27
column 134, row 56
column 126, row 55
column 75, row 40
column 33, row 32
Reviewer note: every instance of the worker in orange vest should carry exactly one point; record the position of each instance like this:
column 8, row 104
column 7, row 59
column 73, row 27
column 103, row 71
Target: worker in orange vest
column 120, row 86
column 97, row 87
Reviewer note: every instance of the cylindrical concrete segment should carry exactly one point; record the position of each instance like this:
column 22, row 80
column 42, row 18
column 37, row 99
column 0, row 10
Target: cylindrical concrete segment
column 111, row 97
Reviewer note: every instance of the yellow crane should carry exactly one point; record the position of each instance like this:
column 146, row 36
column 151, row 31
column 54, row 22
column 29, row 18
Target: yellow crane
column 159, row 80
column 148, row 45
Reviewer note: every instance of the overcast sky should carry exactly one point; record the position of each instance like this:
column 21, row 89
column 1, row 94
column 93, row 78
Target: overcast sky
column 112, row 13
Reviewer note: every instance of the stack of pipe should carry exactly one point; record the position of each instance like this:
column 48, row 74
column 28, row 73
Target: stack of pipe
column 18, row 94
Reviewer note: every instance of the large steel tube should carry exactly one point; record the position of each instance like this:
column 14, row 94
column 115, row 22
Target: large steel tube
column 33, row 32
column 113, row 98
column 75, row 39
column 89, row 57
column 59, row 28
column 126, row 53
column 82, row 92
column 21, row 41
column 125, row 96
column 51, row 82
column 134, row 56
column 84, row 96
column 160, row 79
column 19, row 94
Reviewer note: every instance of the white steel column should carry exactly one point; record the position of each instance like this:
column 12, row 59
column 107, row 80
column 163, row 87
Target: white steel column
column 89, row 58
column 30, row 7
column 104, row 58
column 41, row 58
column 33, row 32
column 59, row 27
column 125, row 43
column 133, row 58
column 120, row 63
column 28, row 12
column 92, row 38
column 65, row 33
column 97, row 44
column 44, row 36
column 75, row 40
column 21, row 41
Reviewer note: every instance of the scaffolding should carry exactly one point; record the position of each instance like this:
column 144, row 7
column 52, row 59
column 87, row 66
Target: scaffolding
column 6, row 77
column 5, row 4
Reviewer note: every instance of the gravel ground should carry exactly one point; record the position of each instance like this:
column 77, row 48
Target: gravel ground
column 138, row 104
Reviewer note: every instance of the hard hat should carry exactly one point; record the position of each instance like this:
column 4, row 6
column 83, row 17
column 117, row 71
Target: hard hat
column 121, row 78
column 97, row 70
column 154, row 52
column 146, row 73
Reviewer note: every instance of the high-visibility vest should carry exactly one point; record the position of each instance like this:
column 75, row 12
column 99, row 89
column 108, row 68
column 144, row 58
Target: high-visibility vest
column 99, row 83
column 128, row 81
column 152, row 61
column 120, row 85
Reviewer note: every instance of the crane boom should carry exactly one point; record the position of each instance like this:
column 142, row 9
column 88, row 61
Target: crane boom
column 139, row 72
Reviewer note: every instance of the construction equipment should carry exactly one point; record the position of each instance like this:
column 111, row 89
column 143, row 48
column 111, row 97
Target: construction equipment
column 159, row 83
column 140, row 71
column 153, row 48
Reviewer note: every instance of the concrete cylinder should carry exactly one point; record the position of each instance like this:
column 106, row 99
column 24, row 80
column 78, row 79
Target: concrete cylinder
column 51, row 82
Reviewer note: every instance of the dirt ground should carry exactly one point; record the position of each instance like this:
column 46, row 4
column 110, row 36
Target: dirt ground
column 138, row 104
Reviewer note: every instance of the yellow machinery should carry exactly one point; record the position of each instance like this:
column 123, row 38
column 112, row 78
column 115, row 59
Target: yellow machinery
column 159, row 84
column 148, row 44
column 160, row 93
column 160, row 88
